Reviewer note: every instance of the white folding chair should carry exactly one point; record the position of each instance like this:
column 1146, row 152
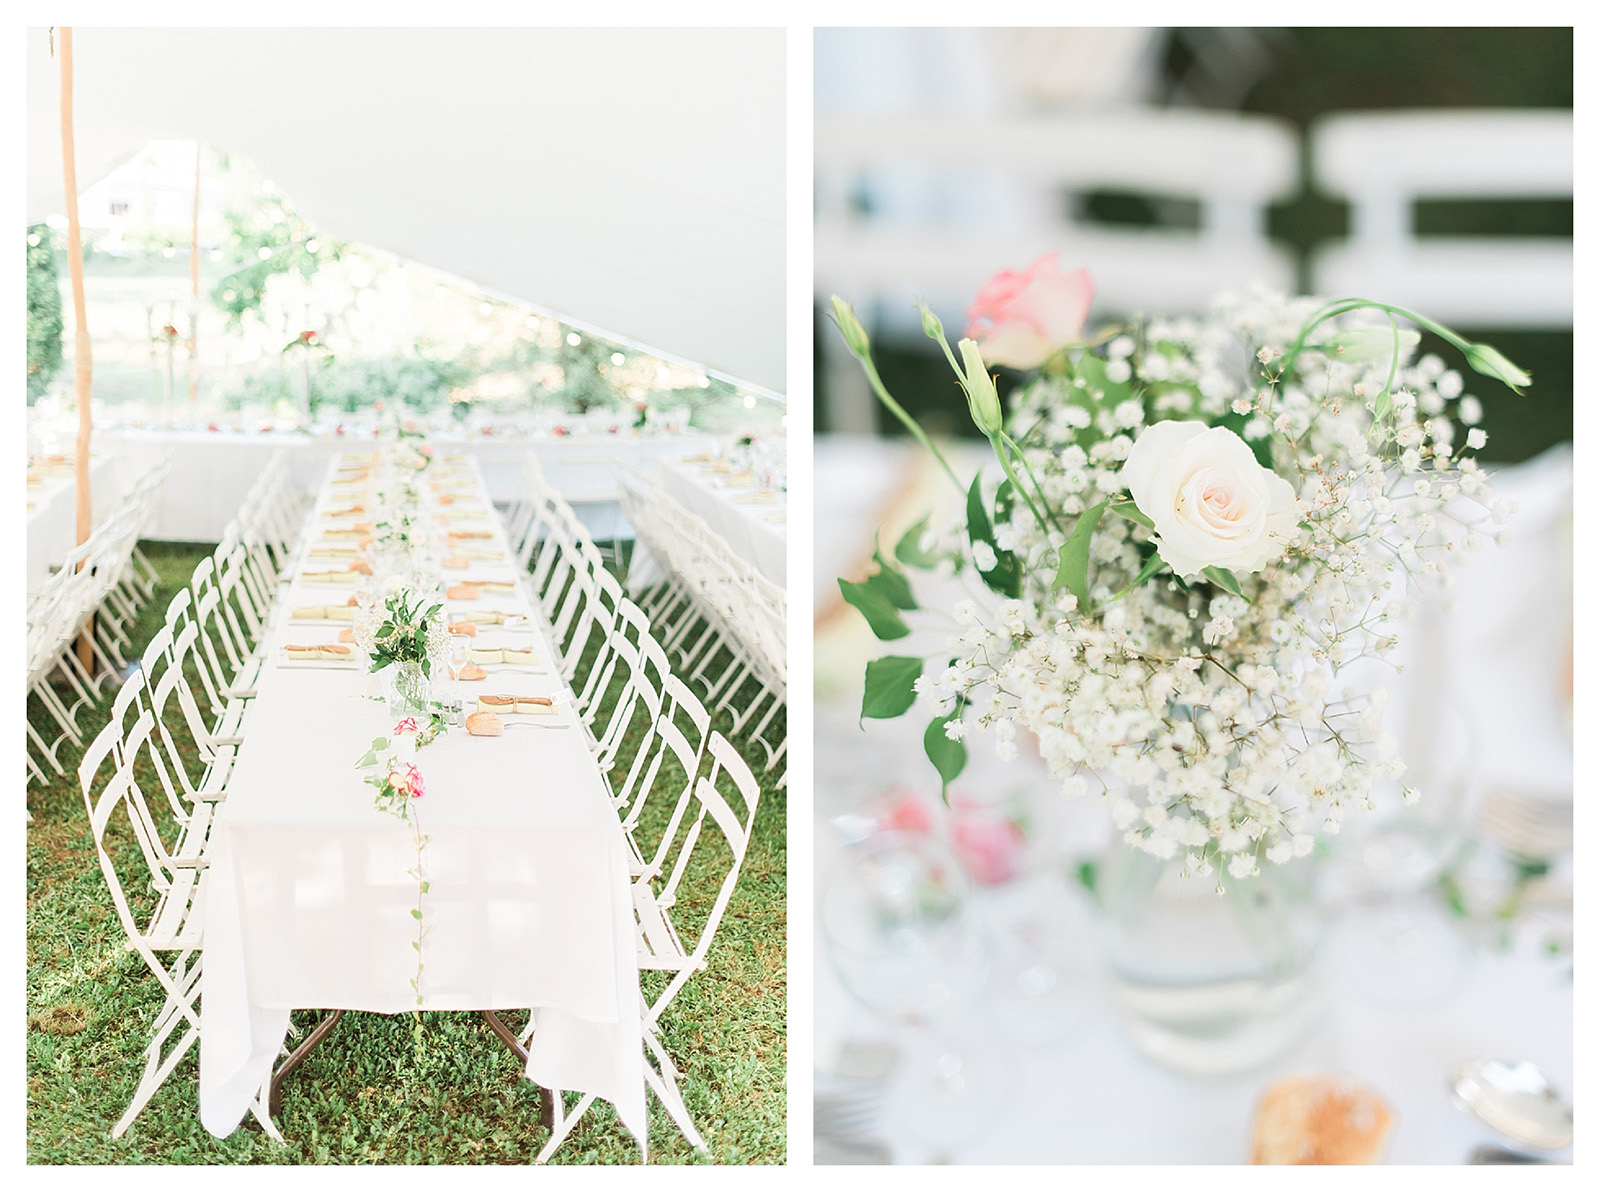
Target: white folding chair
column 661, row 945
column 172, row 928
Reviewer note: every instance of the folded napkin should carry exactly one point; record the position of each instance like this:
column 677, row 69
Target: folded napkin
column 331, row 652
column 462, row 515
column 697, row 459
column 482, row 554
column 495, row 586
column 324, row 612
column 493, row 657
column 759, row 498
column 737, row 480
column 333, row 552
column 472, row 534
column 527, row 705
column 485, row 618
column 330, row 577
column 347, row 511
column 346, row 532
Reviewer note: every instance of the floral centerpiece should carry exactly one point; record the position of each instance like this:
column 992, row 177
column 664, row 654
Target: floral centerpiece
column 393, row 773
column 404, row 635
column 1197, row 523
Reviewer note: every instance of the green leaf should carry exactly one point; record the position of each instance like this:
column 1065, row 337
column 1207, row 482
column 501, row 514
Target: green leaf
column 877, row 608
column 379, row 744
column 1151, row 565
column 891, row 581
column 1225, row 580
column 890, row 689
column 909, row 551
column 1005, row 576
column 415, row 913
column 1092, row 370
column 423, row 887
column 1130, row 511
column 1072, row 570
column 1005, row 499
column 1088, row 875
column 948, row 757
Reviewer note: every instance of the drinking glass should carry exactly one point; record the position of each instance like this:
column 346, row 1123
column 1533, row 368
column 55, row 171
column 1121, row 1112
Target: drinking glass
column 902, row 935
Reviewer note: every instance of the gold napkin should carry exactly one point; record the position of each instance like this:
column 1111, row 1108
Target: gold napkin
column 527, row 705
column 329, row 652
column 330, row 577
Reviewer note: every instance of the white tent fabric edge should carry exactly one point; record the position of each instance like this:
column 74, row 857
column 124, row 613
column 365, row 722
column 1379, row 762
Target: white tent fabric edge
column 625, row 179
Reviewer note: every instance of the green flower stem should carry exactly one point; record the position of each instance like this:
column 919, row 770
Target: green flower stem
column 906, row 420
column 1003, row 445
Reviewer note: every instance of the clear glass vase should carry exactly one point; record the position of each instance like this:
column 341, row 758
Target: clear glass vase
column 408, row 688
column 1211, row 983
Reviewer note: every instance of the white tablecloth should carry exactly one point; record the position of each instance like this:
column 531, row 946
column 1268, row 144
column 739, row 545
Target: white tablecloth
column 53, row 514
column 212, row 471
column 309, row 898
column 756, row 531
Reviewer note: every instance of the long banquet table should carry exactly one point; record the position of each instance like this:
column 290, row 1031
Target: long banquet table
column 213, row 470
column 754, row 523
column 309, row 897
column 53, row 513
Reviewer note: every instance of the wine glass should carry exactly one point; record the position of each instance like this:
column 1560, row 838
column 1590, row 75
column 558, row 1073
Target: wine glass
column 1395, row 943
column 460, row 653
column 903, row 937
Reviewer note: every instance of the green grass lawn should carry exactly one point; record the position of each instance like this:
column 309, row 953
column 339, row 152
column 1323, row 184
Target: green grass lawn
column 375, row 1091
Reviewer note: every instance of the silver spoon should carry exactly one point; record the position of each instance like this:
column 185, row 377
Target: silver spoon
column 1513, row 1097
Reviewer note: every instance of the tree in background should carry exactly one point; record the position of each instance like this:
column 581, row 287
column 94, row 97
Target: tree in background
column 266, row 237
column 44, row 311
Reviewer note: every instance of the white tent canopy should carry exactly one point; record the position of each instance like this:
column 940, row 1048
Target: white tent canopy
column 628, row 179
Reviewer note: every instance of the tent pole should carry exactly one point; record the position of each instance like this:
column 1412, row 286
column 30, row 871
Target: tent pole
column 194, row 281
column 82, row 365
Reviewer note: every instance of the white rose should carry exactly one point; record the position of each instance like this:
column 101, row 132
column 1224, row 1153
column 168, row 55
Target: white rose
column 1212, row 504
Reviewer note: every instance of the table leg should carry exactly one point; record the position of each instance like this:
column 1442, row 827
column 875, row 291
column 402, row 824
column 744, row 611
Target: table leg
column 547, row 1108
column 298, row 1057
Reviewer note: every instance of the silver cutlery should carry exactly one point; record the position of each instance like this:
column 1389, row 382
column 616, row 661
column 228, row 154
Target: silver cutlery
column 1514, row 1098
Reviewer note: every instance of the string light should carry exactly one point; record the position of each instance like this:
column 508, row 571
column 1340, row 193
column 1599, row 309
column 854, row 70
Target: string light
column 574, row 339
column 749, row 401
column 616, row 357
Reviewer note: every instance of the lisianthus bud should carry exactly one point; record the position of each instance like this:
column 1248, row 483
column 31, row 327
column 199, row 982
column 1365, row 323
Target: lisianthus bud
column 982, row 399
column 855, row 335
column 931, row 326
column 1491, row 363
column 1361, row 345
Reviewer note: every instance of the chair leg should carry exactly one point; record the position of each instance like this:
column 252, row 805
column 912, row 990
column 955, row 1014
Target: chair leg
column 665, row 1084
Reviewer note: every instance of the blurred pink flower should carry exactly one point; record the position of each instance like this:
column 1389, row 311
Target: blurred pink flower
column 988, row 843
column 906, row 813
column 408, row 725
column 1021, row 319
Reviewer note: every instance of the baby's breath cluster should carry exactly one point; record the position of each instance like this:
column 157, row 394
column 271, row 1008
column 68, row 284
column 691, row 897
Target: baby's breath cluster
column 1210, row 712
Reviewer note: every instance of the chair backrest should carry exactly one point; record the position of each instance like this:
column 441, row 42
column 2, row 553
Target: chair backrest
column 1384, row 163
column 733, row 827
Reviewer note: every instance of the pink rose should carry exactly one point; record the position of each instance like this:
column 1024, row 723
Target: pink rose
column 408, row 725
column 426, row 449
column 413, row 781
column 1022, row 319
